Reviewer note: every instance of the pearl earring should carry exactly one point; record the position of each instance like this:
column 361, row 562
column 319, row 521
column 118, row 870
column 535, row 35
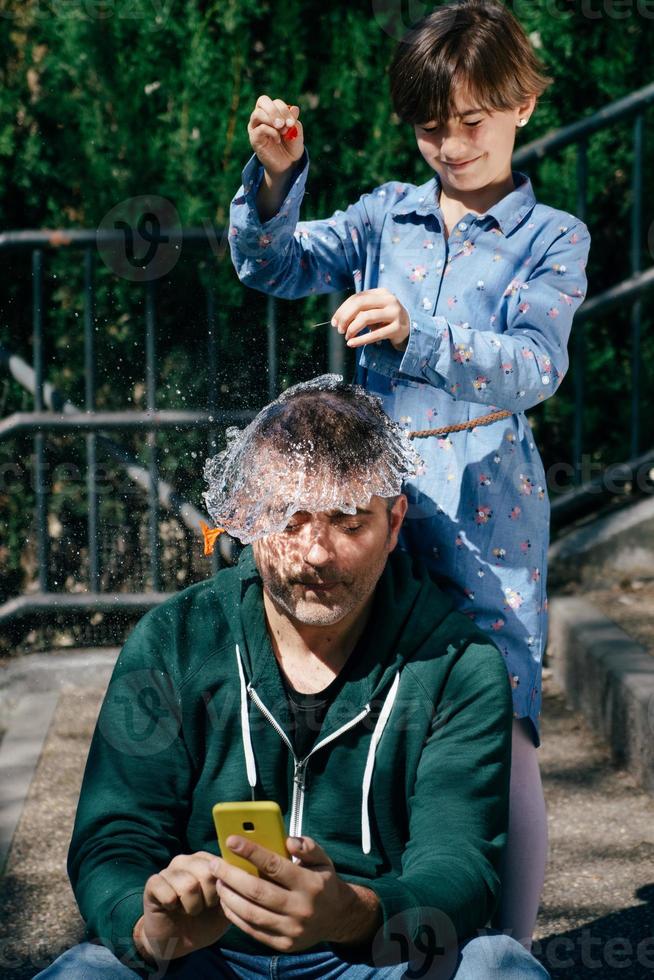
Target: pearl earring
column 523, row 122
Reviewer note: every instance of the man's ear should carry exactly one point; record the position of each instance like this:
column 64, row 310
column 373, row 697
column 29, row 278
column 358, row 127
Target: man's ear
column 396, row 517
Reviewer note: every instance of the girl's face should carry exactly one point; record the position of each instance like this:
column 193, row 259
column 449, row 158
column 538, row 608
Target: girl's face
column 473, row 149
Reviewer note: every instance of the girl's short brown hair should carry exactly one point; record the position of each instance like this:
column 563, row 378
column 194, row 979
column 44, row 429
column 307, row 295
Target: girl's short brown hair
column 478, row 43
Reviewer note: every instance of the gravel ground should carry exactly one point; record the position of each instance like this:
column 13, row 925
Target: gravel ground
column 598, row 900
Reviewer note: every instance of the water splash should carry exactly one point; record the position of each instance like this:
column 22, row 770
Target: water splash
column 322, row 445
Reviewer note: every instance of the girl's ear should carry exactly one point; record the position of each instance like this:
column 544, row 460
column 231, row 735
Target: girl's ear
column 525, row 111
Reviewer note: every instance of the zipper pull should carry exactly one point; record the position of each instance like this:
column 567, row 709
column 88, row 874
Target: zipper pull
column 299, row 773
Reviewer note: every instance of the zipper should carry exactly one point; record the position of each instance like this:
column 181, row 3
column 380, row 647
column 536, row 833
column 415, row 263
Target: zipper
column 300, row 765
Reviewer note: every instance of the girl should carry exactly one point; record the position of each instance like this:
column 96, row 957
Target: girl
column 466, row 288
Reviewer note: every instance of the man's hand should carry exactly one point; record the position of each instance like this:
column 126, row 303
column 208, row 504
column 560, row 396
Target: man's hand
column 378, row 309
column 181, row 909
column 293, row 906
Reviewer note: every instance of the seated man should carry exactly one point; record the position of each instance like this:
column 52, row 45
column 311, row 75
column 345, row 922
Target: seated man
column 326, row 672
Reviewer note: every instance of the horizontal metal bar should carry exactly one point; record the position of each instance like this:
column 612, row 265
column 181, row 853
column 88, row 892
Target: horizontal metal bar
column 614, row 112
column 95, row 421
column 63, row 602
column 85, row 238
column 589, row 495
column 628, row 289
column 169, row 498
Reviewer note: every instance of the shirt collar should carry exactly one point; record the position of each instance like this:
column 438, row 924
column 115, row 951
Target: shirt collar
column 508, row 212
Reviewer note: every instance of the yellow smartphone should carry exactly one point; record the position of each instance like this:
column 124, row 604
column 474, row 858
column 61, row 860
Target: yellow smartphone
column 259, row 820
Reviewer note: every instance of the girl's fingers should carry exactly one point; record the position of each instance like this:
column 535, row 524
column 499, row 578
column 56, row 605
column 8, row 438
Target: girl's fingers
column 260, row 117
column 265, row 132
column 283, row 118
column 283, row 112
column 367, row 318
column 278, row 112
column 266, row 104
column 263, row 112
column 366, row 300
column 370, row 338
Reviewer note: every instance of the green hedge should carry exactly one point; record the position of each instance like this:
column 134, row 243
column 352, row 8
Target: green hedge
column 103, row 101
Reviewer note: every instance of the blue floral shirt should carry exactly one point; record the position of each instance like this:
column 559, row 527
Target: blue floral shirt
column 491, row 308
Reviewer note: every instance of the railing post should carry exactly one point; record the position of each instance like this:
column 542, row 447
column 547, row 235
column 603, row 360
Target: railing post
column 579, row 331
column 271, row 331
column 41, row 507
column 91, row 437
column 335, row 340
column 636, row 309
column 151, row 439
column 212, row 391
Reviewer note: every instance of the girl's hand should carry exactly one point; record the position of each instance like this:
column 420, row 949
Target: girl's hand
column 378, row 309
column 270, row 122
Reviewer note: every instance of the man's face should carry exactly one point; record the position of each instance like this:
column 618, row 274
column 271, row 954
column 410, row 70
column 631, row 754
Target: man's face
column 324, row 566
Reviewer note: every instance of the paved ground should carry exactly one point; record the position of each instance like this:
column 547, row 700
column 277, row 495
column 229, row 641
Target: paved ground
column 629, row 603
column 598, row 902
column 599, row 896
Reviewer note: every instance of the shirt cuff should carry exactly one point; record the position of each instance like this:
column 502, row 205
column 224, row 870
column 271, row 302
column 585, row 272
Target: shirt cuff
column 398, row 907
column 421, row 354
column 251, row 178
column 124, row 917
column 417, row 361
column 380, row 357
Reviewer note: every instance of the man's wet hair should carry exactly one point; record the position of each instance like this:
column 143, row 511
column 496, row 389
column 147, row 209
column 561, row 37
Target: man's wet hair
column 339, row 427
column 322, row 445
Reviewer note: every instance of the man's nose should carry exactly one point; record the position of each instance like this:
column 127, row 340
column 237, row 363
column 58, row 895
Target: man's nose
column 318, row 551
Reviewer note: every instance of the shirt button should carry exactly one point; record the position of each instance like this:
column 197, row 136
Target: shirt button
column 462, row 225
column 545, row 379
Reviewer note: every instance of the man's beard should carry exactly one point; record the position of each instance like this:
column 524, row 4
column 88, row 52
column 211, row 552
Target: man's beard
column 312, row 608
column 330, row 607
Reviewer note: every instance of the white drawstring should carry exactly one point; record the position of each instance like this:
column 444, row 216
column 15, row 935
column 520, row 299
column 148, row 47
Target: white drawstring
column 370, row 762
column 384, row 714
column 250, row 764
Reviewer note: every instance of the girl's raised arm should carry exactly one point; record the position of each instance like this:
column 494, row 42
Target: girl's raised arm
column 271, row 249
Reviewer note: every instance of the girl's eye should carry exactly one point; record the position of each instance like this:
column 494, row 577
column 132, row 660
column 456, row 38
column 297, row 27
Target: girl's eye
column 476, row 122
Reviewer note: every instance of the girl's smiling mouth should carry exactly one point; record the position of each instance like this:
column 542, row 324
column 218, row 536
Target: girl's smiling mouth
column 459, row 166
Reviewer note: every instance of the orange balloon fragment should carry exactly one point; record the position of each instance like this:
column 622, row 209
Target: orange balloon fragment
column 210, row 534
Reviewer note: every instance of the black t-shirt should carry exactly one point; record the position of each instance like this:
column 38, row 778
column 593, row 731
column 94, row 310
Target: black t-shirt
column 308, row 710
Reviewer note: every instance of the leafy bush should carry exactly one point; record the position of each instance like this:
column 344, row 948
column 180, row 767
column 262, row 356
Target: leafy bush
column 102, row 100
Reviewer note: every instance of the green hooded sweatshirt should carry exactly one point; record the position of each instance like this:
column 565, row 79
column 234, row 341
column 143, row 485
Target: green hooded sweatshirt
column 406, row 787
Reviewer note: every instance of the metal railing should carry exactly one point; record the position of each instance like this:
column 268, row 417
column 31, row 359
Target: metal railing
column 630, row 290
column 53, row 413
